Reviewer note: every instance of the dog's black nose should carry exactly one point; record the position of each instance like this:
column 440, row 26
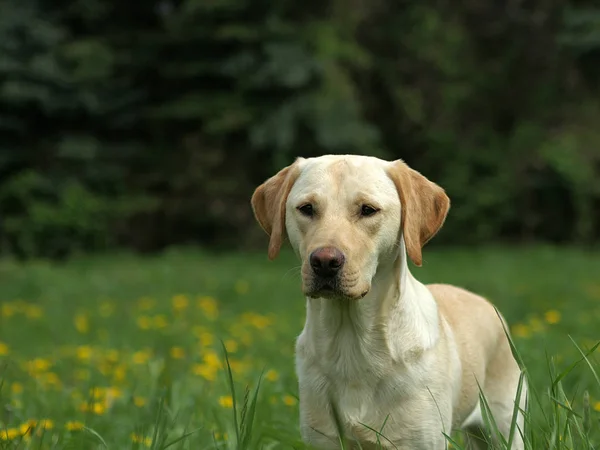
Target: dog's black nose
column 327, row 261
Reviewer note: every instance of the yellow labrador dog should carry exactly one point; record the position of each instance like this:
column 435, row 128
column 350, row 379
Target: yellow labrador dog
column 387, row 350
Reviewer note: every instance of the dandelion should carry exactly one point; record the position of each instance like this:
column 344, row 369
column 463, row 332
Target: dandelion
column 51, row 379
column 138, row 439
column 4, row 350
column 16, row 388
column 38, row 365
column 212, row 359
column 209, row 307
column 552, row 317
column 46, row 424
column 27, row 427
column 205, row 371
column 33, row 312
column 146, row 303
column 8, row 309
column 206, row 339
column 144, row 322
column 84, row 352
column 289, row 400
column 119, row 373
column 81, row 322
column 139, row 401
column 226, row 401
column 9, row 434
column 231, row 346
column 597, row 406
column 242, row 287
column 74, row 425
column 521, row 330
column 160, row 321
column 272, row 375
column 141, row 357
column 256, row 320
column 177, row 353
column 180, row 302
column 107, row 309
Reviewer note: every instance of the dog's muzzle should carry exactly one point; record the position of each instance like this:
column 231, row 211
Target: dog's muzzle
column 326, row 264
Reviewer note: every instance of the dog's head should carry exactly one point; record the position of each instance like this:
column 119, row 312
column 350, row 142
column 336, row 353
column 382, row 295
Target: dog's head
column 345, row 216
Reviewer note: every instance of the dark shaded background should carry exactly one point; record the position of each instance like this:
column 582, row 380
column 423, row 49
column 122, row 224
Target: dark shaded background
column 148, row 124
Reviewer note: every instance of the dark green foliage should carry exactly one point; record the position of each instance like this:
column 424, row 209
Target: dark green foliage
column 149, row 124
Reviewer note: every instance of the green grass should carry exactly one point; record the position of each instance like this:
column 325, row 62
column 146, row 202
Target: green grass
column 125, row 351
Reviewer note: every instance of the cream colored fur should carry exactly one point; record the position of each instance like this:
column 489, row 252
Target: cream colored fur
column 383, row 347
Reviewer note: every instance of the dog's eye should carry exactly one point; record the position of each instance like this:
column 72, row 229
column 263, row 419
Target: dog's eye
column 367, row 210
column 307, row 210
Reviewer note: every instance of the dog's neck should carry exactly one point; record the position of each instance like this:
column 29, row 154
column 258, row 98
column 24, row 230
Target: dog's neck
column 398, row 310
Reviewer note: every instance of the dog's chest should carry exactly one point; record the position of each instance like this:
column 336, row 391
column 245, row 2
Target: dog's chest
column 360, row 376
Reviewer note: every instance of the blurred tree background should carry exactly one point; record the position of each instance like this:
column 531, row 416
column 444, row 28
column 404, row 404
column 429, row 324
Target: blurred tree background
column 142, row 125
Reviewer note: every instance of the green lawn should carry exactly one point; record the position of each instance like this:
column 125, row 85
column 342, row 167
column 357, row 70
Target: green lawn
column 124, row 352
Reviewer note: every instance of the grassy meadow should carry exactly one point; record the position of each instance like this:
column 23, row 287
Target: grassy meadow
column 124, row 351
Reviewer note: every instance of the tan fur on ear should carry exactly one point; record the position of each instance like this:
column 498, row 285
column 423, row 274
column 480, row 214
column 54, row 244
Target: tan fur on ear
column 425, row 206
column 268, row 204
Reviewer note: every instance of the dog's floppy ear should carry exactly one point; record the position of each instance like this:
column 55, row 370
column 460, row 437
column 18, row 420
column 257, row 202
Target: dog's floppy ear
column 424, row 208
column 268, row 204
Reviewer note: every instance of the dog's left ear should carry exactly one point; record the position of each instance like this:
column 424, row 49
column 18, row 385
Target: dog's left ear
column 268, row 203
column 424, row 206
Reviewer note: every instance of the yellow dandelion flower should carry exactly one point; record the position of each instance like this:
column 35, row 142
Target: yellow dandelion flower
column 289, row 400
column 231, row 346
column 4, row 350
column 9, row 434
column 138, row 439
column 272, row 375
column 226, row 401
column 139, row 401
column 597, row 406
column 180, row 302
column 212, row 359
column 82, row 323
column 119, row 373
column 33, row 312
column 238, row 367
column 112, row 355
column 27, row 427
column 205, row 371
column 38, row 365
column 552, row 317
column 144, row 322
column 209, row 307
column 8, row 309
column 51, row 379
column 107, row 309
column 84, row 352
column 220, row 437
column 146, row 303
column 141, row 357
column 536, row 325
column 521, row 330
column 256, row 320
column 206, row 339
column 46, row 424
column 98, row 408
column 160, row 321
column 16, row 388
column 177, row 353
column 74, row 425
column 242, row 287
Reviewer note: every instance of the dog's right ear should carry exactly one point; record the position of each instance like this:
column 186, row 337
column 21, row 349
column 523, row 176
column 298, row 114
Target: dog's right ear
column 268, row 204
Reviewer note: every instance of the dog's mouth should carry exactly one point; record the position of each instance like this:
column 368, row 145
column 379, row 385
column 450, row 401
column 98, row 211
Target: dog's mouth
column 331, row 289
